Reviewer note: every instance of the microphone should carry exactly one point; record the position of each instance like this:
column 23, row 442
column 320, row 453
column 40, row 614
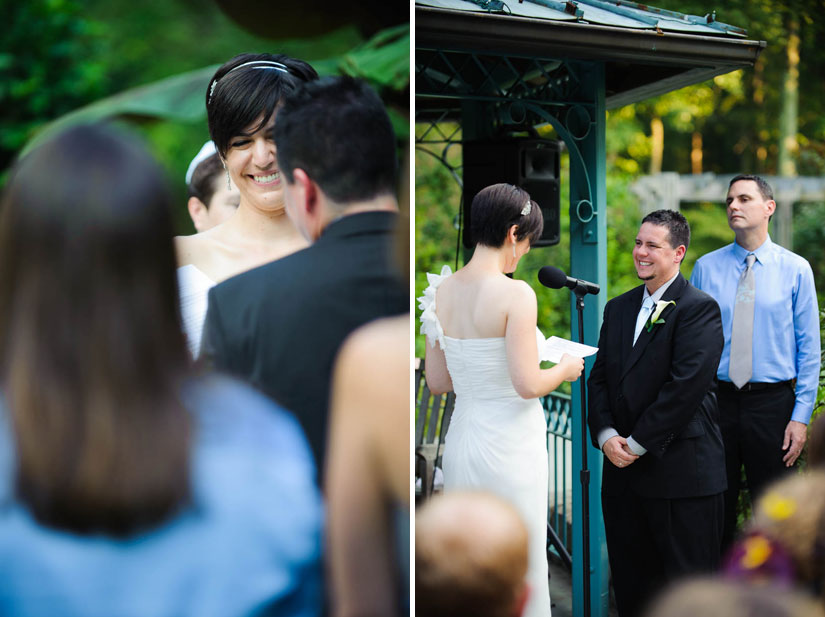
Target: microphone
column 554, row 278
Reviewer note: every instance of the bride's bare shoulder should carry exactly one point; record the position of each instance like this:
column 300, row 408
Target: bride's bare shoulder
column 197, row 248
column 513, row 287
column 519, row 294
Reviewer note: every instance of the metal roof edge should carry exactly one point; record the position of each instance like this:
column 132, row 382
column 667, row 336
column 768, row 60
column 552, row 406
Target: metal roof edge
column 452, row 29
column 663, row 86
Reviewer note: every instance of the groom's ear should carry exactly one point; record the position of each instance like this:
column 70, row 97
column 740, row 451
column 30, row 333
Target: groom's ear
column 306, row 191
column 680, row 253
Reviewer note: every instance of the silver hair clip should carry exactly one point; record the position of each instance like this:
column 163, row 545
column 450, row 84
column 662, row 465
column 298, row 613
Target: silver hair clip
column 268, row 64
column 527, row 208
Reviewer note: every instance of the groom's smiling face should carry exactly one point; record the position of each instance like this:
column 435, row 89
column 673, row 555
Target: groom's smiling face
column 655, row 259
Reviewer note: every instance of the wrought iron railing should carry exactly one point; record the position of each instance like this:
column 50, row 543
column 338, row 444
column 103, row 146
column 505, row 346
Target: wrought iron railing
column 560, row 453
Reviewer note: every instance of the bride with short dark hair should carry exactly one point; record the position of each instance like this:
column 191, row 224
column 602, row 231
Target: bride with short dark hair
column 483, row 344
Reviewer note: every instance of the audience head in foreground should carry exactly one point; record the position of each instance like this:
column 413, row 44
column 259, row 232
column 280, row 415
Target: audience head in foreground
column 470, row 557
column 708, row 597
column 90, row 337
column 784, row 542
column 129, row 484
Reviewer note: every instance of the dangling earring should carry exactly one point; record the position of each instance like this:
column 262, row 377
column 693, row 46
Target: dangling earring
column 226, row 169
column 514, row 250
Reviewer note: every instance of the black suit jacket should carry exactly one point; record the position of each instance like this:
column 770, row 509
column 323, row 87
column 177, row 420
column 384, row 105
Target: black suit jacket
column 662, row 392
column 280, row 326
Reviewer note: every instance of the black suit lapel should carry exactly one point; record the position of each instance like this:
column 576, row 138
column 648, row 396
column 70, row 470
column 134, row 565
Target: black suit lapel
column 672, row 293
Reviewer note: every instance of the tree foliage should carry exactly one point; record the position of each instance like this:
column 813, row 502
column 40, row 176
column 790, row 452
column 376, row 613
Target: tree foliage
column 51, row 61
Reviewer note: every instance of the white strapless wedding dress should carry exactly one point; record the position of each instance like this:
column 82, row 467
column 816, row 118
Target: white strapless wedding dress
column 496, row 440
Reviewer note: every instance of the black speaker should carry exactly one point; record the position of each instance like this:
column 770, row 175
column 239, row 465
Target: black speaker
column 532, row 164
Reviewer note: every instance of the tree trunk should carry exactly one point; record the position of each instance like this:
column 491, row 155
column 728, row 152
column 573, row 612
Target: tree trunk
column 788, row 119
column 696, row 153
column 657, row 148
column 788, row 128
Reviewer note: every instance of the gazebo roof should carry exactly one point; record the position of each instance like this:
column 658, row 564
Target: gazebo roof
column 646, row 51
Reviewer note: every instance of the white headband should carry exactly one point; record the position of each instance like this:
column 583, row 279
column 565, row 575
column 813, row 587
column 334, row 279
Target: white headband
column 269, row 64
column 277, row 66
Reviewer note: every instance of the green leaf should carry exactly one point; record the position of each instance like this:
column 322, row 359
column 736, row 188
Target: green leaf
column 180, row 98
column 383, row 61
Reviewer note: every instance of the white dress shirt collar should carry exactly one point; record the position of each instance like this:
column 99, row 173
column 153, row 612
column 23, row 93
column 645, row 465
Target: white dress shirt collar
column 657, row 295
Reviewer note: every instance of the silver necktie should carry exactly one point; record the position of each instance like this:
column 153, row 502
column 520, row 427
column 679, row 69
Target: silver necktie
column 741, row 338
column 641, row 318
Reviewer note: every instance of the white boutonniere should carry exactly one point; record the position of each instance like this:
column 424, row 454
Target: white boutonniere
column 655, row 318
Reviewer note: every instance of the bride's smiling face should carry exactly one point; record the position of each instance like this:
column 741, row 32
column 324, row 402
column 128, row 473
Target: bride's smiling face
column 253, row 166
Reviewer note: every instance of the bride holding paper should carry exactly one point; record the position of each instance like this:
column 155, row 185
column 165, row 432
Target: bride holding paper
column 483, row 344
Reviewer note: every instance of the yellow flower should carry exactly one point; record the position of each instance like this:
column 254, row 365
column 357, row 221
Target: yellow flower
column 778, row 507
column 757, row 552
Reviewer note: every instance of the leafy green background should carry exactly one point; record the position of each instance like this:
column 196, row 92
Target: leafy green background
column 148, row 64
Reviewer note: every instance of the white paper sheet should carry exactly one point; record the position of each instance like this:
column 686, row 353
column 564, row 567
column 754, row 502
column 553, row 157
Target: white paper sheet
column 555, row 346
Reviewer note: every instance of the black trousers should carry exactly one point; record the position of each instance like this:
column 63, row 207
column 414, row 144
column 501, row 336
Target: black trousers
column 651, row 542
column 753, row 427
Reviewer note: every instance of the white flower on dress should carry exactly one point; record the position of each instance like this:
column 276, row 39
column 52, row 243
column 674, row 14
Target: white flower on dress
column 430, row 326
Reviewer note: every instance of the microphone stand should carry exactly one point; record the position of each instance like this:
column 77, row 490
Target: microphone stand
column 584, row 476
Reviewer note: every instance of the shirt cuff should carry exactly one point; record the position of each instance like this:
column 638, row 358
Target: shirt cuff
column 605, row 434
column 801, row 413
column 635, row 447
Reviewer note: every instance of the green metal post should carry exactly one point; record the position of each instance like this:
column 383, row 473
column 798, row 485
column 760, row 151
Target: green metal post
column 588, row 261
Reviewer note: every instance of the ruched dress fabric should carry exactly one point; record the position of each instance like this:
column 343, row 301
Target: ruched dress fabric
column 496, row 440
column 193, row 289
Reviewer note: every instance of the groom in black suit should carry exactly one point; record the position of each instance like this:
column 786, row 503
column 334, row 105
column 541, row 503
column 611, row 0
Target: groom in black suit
column 280, row 325
column 652, row 411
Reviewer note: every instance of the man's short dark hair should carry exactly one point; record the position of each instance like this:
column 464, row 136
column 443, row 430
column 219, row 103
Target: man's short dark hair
column 764, row 188
column 337, row 130
column 677, row 226
column 496, row 208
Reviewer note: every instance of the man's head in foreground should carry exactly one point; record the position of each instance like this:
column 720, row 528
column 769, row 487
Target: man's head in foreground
column 470, row 557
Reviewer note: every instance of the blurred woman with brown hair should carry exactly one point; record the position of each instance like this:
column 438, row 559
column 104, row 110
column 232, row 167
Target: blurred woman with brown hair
column 128, row 484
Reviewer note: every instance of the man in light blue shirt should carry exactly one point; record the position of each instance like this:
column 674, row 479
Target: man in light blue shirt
column 764, row 423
